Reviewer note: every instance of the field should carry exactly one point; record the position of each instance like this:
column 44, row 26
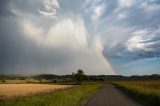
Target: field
column 147, row 92
column 23, row 81
column 11, row 90
column 75, row 96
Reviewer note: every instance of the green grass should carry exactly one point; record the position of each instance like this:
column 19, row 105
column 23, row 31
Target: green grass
column 147, row 92
column 76, row 96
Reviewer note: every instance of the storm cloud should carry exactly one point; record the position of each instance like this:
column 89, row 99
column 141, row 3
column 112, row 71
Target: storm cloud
column 32, row 47
column 59, row 36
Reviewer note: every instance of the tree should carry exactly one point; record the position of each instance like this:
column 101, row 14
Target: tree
column 3, row 80
column 79, row 76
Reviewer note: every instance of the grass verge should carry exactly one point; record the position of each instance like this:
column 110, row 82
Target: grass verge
column 70, row 97
column 146, row 92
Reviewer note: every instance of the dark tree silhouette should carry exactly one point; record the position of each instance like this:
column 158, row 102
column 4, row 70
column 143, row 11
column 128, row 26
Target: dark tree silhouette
column 79, row 76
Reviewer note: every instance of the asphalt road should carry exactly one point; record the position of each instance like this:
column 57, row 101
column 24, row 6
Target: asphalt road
column 109, row 95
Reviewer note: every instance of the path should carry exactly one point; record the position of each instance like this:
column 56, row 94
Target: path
column 110, row 96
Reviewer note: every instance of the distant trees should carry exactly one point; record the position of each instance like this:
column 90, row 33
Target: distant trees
column 3, row 80
column 79, row 76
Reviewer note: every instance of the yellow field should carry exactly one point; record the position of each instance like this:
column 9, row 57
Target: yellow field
column 9, row 90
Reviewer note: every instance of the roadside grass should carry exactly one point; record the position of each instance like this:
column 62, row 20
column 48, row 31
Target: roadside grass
column 147, row 92
column 76, row 96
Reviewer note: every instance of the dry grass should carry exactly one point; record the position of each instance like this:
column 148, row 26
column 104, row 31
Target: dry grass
column 146, row 91
column 10, row 90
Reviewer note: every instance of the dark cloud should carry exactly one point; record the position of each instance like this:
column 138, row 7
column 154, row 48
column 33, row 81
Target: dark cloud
column 27, row 6
column 18, row 54
column 5, row 8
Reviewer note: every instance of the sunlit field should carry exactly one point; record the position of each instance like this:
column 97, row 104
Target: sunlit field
column 75, row 96
column 11, row 90
column 146, row 91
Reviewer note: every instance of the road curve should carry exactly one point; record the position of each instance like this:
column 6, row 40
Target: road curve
column 108, row 95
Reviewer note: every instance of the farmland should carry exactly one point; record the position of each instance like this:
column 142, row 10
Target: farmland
column 11, row 90
column 147, row 92
column 75, row 96
column 53, row 90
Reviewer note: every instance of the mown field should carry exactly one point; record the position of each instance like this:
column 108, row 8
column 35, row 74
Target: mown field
column 147, row 92
column 76, row 96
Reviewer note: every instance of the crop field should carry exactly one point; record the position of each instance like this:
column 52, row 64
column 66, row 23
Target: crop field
column 75, row 96
column 11, row 90
column 146, row 91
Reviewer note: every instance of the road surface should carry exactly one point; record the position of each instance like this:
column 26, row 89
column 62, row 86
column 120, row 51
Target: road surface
column 110, row 96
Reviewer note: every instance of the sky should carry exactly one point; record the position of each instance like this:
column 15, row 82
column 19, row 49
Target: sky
column 110, row 37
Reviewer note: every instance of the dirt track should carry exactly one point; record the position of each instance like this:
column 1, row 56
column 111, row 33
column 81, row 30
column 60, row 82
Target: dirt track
column 110, row 96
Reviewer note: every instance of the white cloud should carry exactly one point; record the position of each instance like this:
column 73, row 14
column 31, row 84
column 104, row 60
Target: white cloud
column 122, row 15
column 94, row 8
column 50, row 8
column 126, row 3
column 65, row 33
column 142, row 40
column 98, row 11
column 32, row 32
column 134, row 43
column 149, row 7
column 48, row 14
